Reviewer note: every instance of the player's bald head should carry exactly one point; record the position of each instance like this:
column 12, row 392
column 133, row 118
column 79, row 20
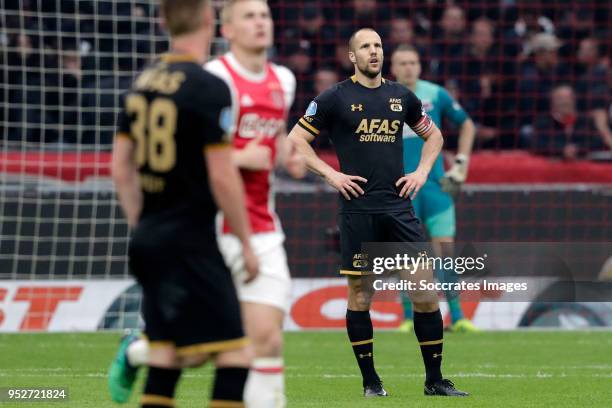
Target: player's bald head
column 358, row 36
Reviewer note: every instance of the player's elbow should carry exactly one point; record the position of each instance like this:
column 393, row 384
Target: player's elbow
column 221, row 191
column 293, row 137
column 468, row 126
column 219, row 183
column 435, row 137
column 220, row 165
column 224, row 181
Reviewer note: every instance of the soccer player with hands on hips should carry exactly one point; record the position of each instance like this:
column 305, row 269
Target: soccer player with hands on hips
column 263, row 94
column 364, row 116
column 172, row 168
column 434, row 203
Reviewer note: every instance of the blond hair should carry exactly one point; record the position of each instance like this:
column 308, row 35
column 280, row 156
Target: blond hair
column 226, row 11
column 182, row 16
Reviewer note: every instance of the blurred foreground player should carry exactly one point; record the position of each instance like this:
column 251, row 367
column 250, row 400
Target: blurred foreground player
column 434, row 203
column 264, row 93
column 364, row 116
column 172, row 167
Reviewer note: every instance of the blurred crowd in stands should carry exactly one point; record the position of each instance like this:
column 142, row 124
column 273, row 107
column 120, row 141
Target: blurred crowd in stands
column 532, row 74
column 68, row 61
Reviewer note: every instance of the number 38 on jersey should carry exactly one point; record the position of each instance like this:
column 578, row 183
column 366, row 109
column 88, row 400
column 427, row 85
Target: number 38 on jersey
column 153, row 128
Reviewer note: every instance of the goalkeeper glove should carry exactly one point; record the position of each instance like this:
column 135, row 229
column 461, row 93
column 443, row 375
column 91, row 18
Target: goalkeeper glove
column 455, row 176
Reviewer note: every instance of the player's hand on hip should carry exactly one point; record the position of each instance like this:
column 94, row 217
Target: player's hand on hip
column 412, row 183
column 255, row 156
column 346, row 184
column 251, row 263
column 455, row 177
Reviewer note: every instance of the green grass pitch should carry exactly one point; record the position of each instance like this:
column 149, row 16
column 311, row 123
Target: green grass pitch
column 500, row 369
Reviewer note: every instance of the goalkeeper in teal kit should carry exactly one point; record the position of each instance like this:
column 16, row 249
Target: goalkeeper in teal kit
column 434, row 203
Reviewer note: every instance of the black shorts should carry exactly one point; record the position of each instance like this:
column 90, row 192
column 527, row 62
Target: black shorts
column 189, row 300
column 357, row 229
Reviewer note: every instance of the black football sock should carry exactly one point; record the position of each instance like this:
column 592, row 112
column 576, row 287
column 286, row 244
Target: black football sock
column 159, row 388
column 229, row 387
column 429, row 331
column 361, row 335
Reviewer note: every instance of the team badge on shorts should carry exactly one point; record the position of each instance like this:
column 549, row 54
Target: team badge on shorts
column 360, row 261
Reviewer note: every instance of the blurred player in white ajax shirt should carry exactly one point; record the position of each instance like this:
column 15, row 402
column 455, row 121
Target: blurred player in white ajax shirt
column 264, row 94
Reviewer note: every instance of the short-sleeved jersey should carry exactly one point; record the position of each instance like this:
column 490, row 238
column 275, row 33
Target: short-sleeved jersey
column 438, row 104
column 365, row 125
column 173, row 111
column 263, row 101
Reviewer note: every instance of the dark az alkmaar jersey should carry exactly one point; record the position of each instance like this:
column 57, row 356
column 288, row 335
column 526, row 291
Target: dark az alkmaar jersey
column 365, row 125
column 173, row 111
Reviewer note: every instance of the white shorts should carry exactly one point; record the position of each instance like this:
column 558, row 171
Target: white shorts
column 273, row 285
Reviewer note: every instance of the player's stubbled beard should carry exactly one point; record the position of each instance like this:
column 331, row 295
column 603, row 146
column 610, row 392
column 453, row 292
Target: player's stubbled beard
column 364, row 66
